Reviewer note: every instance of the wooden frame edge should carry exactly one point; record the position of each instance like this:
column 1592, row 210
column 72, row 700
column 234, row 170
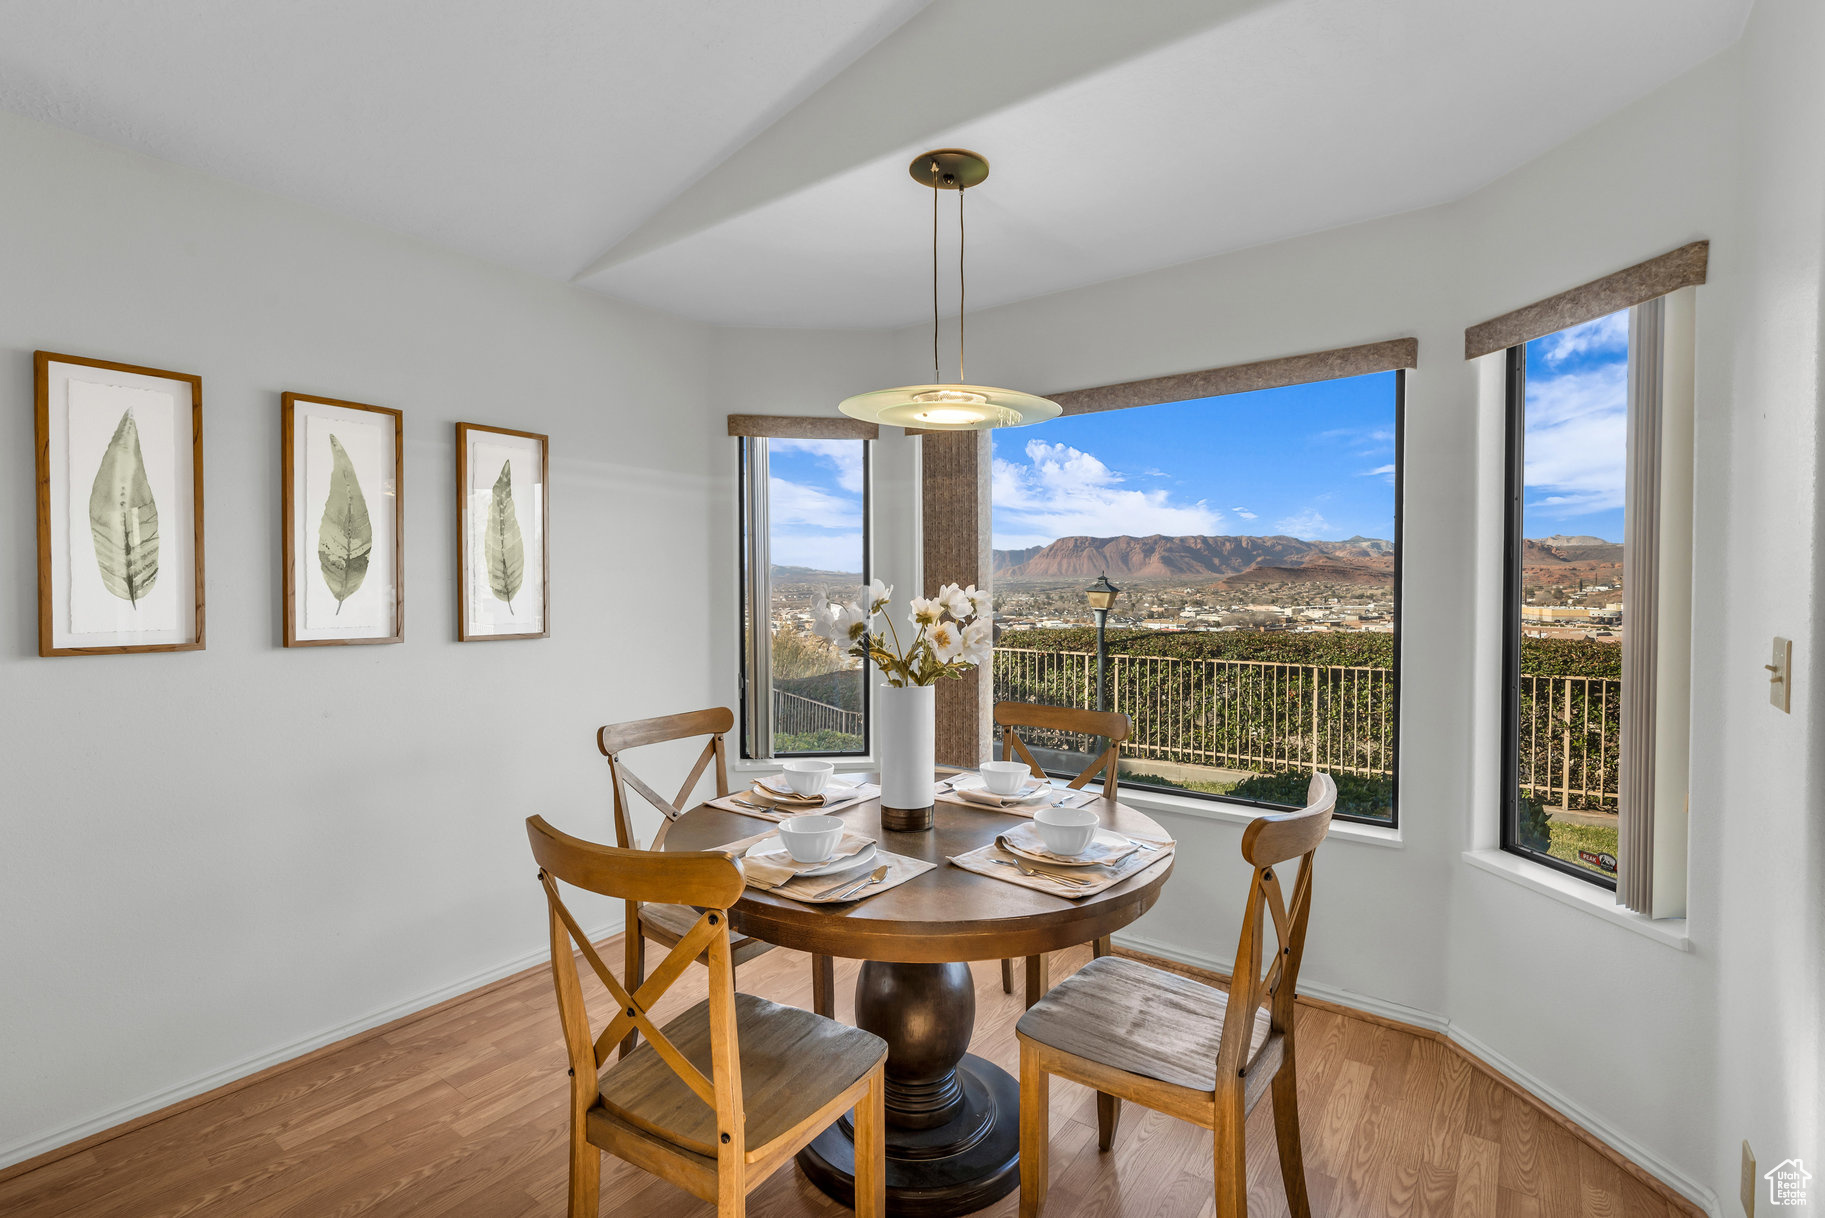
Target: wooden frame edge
column 462, row 531
column 288, row 633
column 41, row 398
column 1679, row 1202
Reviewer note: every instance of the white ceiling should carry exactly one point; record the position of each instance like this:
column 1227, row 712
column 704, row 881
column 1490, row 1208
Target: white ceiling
column 745, row 162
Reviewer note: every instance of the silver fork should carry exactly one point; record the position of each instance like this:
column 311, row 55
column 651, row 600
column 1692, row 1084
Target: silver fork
column 1021, row 866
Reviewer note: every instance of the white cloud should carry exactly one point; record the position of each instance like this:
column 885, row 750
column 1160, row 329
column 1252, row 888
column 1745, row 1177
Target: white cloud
column 1384, row 472
column 1060, row 491
column 819, row 551
column 1605, row 335
column 796, row 503
column 844, row 456
column 1308, row 525
column 1577, row 440
column 1244, row 513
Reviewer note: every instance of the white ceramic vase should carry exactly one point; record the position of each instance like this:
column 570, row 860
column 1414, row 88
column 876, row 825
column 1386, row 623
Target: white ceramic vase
column 904, row 734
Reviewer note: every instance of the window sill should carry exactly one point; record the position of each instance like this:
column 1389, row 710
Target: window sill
column 1571, row 891
column 1236, row 814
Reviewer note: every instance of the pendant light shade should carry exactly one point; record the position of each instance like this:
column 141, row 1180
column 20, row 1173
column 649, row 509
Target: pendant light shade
column 940, row 406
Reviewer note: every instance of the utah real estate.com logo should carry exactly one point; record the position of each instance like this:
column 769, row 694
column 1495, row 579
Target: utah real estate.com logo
column 1787, row 1182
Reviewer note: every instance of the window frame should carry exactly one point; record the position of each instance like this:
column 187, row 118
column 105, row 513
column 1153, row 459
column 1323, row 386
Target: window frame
column 1514, row 383
column 1392, row 821
column 745, row 574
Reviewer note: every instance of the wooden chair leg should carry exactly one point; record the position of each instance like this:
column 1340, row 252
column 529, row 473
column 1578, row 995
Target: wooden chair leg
column 635, row 961
column 823, row 986
column 585, row 1173
column 1286, row 1134
column 871, row 1148
column 1035, row 1133
column 1231, row 1156
column 1007, row 976
column 1108, row 1116
column 1102, row 947
column 1037, row 982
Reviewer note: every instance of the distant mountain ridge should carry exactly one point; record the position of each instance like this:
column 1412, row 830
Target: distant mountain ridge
column 1158, row 556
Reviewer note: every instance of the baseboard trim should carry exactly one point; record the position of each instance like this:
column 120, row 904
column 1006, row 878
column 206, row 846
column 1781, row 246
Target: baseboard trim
column 29, row 1155
column 1678, row 1189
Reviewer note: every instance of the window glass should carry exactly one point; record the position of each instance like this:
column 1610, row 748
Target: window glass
column 1565, row 595
column 1255, row 540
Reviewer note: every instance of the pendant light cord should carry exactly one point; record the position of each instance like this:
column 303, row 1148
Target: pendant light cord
column 961, row 378
column 937, row 376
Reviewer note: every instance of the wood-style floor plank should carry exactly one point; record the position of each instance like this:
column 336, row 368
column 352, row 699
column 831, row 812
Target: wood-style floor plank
column 461, row 1111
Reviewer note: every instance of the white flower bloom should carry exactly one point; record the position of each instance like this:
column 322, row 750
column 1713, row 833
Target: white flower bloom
column 956, row 600
column 926, row 611
column 981, row 601
column 851, row 625
column 946, row 641
column 877, row 594
column 978, row 641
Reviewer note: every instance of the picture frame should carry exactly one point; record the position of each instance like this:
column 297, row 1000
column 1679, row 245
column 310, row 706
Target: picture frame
column 120, row 448
column 342, row 495
column 503, row 568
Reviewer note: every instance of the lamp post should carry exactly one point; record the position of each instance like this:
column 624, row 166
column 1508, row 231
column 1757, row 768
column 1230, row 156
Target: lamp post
column 1101, row 596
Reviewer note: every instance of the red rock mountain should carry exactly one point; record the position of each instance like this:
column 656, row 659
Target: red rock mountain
column 1198, row 558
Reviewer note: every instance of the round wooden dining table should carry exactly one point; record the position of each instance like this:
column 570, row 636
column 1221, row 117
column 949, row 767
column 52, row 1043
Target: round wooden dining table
column 953, row 1128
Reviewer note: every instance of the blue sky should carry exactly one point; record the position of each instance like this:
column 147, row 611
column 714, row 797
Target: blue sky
column 1577, row 430
column 1312, row 461
column 815, row 503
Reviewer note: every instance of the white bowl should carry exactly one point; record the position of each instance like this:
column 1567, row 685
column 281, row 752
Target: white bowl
column 1004, row 777
column 809, row 777
column 1066, row 831
column 811, row 839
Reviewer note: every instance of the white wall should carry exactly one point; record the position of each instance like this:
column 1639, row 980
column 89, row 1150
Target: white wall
column 1674, row 1055
column 212, row 858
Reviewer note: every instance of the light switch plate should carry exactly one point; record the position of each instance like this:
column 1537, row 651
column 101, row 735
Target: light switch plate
column 1780, row 676
column 1748, row 1181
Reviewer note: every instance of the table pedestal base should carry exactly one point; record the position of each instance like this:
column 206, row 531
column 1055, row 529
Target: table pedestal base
column 956, row 1168
column 953, row 1120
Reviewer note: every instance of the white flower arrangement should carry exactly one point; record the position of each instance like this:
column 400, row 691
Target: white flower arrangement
column 955, row 631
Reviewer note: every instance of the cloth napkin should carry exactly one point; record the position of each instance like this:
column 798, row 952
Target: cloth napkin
column 1103, row 849
column 992, row 860
column 772, row 809
column 775, row 870
column 969, row 790
column 805, row 889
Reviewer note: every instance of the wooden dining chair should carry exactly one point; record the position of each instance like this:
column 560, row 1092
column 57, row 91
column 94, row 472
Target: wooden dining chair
column 724, row 1094
column 666, row 924
column 1162, row 1040
column 1112, row 726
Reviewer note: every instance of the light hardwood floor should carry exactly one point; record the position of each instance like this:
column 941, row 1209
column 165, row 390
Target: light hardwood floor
column 462, row 1111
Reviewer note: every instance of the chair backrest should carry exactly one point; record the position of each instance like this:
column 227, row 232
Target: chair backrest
column 1112, row 725
column 617, row 738
column 1258, row 978
column 710, row 881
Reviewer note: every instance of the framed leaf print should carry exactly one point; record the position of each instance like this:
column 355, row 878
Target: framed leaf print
column 344, row 519
column 120, row 507
column 502, row 563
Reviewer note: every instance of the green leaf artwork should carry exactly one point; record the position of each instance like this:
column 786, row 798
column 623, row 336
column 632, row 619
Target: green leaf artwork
column 123, row 518
column 345, row 539
column 502, row 549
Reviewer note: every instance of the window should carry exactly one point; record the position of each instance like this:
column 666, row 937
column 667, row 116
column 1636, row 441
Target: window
column 1568, row 564
column 804, row 535
column 1255, row 538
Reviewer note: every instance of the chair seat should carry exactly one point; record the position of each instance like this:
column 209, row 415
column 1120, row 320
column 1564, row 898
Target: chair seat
column 674, row 922
column 1140, row 1020
column 792, row 1063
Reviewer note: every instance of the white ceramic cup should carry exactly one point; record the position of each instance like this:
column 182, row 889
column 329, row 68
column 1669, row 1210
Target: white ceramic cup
column 1004, row 777
column 811, row 839
column 809, row 777
column 1066, row 831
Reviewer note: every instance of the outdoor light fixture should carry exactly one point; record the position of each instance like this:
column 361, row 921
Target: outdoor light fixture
column 1102, row 593
column 940, row 407
column 1101, row 596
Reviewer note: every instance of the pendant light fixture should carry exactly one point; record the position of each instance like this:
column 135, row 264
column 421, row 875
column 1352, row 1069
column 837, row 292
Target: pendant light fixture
column 939, row 406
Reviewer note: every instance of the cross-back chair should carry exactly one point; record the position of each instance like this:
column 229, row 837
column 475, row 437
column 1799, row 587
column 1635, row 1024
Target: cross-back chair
column 1112, row 726
column 723, row 1094
column 1164, row 1041
column 666, row 922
